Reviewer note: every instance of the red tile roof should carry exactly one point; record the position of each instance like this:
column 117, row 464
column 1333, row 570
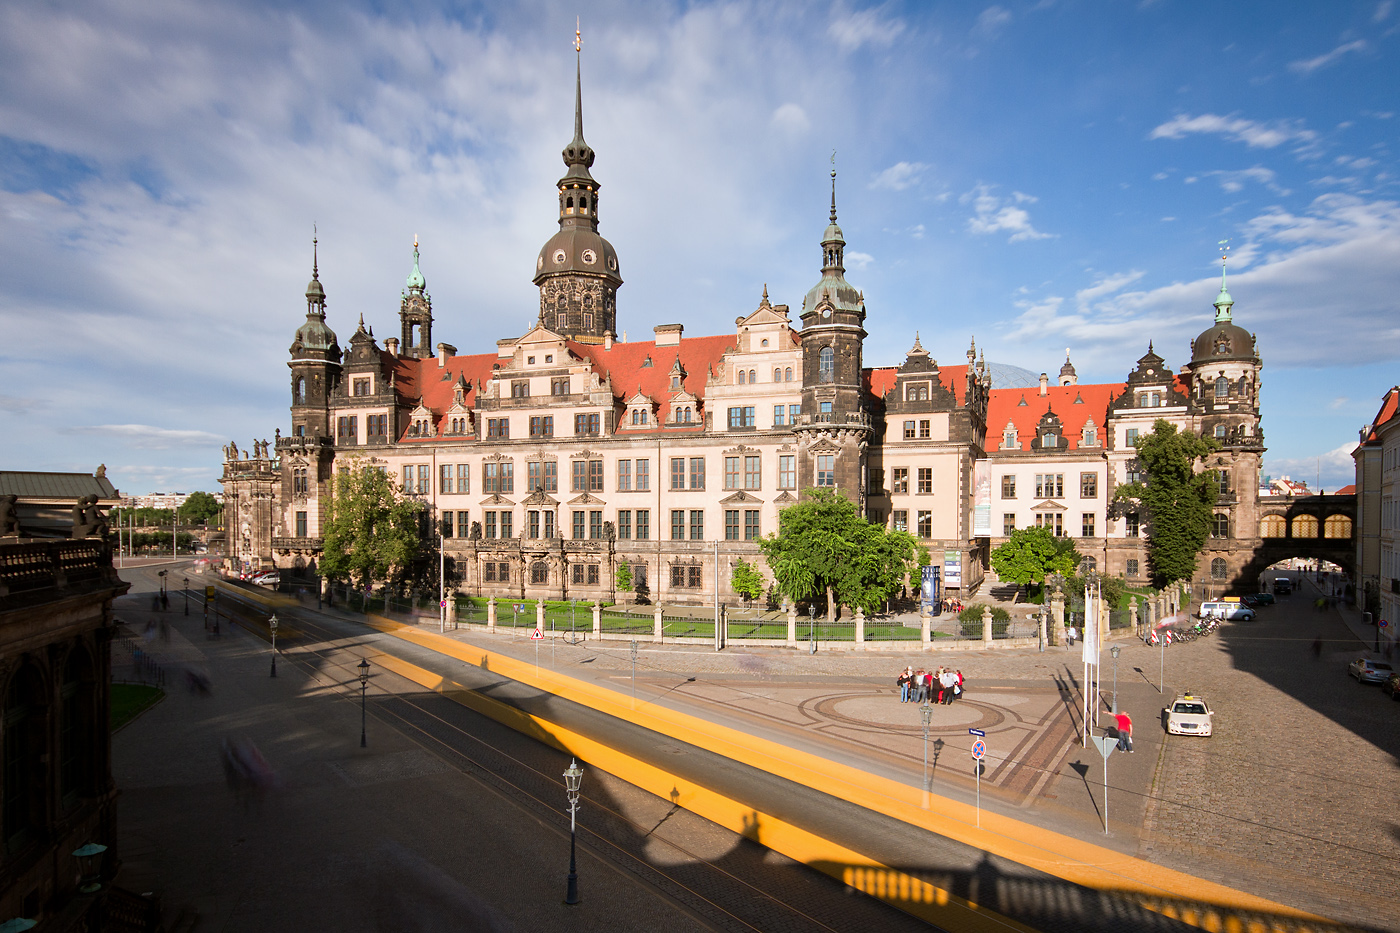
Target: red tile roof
column 879, row 382
column 1348, row 490
column 1005, row 405
column 1389, row 406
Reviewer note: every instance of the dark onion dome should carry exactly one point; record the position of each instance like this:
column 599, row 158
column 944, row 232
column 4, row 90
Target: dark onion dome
column 1223, row 340
column 314, row 334
column 577, row 249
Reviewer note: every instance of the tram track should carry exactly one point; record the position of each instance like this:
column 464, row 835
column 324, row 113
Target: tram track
column 708, row 891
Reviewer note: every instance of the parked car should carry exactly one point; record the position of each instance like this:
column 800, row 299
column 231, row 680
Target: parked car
column 1367, row 671
column 1392, row 686
column 1234, row 611
column 1189, row 715
column 1262, row 599
column 266, row 578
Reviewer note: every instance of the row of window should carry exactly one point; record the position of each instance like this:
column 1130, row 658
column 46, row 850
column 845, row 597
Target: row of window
column 899, row 480
column 780, row 374
column 740, row 472
column 587, row 424
column 1052, row 486
column 588, row 525
column 347, row 429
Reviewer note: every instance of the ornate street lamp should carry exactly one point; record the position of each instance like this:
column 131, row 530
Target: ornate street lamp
column 813, row 637
column 272, row 624
column 573, row 779
column 18, row 925
column 926, row 714
column 91, row 881
column 364, row 685
column 187, row 595
column 1115, row 651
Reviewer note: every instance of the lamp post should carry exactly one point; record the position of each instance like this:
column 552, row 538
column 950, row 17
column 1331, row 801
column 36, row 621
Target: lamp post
column 187, row 595
column 926, row 714
column 813, row 637
column 573, row 779
column 272, row 625
column 92, row 876
column 1115, row 651
column 364, row 685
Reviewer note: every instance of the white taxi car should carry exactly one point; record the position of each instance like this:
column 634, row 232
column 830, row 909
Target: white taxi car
column 1188, row 715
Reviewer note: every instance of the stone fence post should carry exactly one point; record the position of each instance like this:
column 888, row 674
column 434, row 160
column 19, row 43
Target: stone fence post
column 860, row 629
column 1057, row 612
column 597, row 621
column 491, row 615
column 1133, row 615
column 987, row 626
column 792, row 624
column 656, row 623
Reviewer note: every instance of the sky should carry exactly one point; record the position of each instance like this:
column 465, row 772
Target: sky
column 1037, row 176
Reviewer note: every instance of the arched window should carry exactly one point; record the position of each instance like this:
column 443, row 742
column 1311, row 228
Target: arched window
column 777, row 374
column 743, row 377
column 753, row 377
column 77, row 736
column 1219, row 570
column 826, row 363
column 1222, row 387
column 1220, row 430
column 583, row 204
column 25, row 750
column 299, row 393
column 561, row 320
column 1050, row 440
column 569, row 203
column 1220, row 525
column 539, row 572
column 1305, row 526
column 1273, row 526
column 787, row 374
column 1337, row 526
column 688, row 413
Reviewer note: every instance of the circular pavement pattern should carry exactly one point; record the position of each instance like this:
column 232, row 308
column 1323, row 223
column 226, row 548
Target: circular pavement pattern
column 863, row 709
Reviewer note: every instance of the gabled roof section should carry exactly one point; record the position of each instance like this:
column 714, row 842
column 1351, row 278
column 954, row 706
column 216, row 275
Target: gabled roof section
column 433, row 385
column 1075, row 405
column 1389, row 407
column 622, row 364
column 880, row 381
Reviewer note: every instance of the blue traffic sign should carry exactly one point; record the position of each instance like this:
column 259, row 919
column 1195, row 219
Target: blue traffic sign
column 979, row 749
column 976, row 732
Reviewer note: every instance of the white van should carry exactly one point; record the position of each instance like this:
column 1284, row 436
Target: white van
column 1233, row 610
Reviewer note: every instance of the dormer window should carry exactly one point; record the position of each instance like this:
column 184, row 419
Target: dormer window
column 1008, row 438
column 675, row 381
column 1049, row 439
column 1091, row 435
column 916, row 392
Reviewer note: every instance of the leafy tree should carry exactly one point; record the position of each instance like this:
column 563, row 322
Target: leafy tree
column 1111, row 588
column 200, row 508
column 624, row 577
column 747, row 581
column 1178, row 501
column 1032, row 554
column 824, row 546
column 372, row 532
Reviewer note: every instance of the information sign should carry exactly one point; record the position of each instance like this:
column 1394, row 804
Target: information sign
column 977, row 732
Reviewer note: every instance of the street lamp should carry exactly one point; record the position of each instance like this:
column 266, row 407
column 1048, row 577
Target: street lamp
column 926, row 714
column 187, row 595
column 92, row 875
column 1115, row 651
column 364, row 685
column 272, row 624
column 813, row 637
column 573, row 779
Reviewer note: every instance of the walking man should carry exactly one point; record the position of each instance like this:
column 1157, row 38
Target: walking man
column 1125, row 731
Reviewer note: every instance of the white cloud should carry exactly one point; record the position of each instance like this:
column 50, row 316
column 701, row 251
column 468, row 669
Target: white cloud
column 1251, row 133
column 1233, row 181
column 857, row 262
column 1382, row 11
column 993, row 214
column 1106, row 286
column 1310, row 65
column 992, row 19
column 865, row 27
column 899, row 176
column 1338, row 402
column 147, row 437
column 791, row 118
column 1335, row 466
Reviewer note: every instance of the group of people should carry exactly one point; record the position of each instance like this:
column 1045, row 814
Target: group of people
column 940, row 686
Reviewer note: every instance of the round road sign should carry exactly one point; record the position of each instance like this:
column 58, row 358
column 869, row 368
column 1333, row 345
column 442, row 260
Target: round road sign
column 979, row 748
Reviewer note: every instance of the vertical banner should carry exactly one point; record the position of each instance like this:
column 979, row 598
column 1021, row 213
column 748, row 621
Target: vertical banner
column 1091, row 626
column 982, row 499
column 928, row 589
column 952, row 568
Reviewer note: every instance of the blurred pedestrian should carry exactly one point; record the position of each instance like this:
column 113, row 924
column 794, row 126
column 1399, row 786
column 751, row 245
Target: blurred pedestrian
column 904, row 681
column 1317, row 647
column 1125, row 731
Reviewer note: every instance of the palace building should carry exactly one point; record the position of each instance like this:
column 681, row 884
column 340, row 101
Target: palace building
column 565, row 451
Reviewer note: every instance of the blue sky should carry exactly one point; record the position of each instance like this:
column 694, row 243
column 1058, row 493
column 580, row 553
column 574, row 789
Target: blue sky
column 1037, row 175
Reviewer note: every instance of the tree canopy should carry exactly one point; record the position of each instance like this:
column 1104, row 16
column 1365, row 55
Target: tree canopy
column 1032, row 554
column 200, row 507
column 372, row 531
column 823, row 546
column 746, row 580
column 1177, row 501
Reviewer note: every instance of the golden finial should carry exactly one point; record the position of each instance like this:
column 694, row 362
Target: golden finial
column 578, row 35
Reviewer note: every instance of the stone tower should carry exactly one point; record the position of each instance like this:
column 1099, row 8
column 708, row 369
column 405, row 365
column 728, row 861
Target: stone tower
column 416, row 314
column 835, row 428
column 577, row 271
column 315, row 362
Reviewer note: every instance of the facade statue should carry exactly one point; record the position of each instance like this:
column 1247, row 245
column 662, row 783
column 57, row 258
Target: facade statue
column 9, row 516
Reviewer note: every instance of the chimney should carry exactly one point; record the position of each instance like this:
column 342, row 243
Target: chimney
column 1044, row 384
column 392, row 345
column 444, row 351
column 669, row 335
column 608, row 340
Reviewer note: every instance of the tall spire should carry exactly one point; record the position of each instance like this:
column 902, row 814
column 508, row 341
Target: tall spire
column 833, row 241
column 833, row 186
column 1223, row 301
column 416, row 282
column 578, row 155
column 315, row 293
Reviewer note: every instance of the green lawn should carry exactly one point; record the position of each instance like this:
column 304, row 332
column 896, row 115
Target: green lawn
column 129, row 700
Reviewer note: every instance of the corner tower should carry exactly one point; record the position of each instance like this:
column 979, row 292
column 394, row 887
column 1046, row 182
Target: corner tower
column 835, row 427
column 577, row 271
